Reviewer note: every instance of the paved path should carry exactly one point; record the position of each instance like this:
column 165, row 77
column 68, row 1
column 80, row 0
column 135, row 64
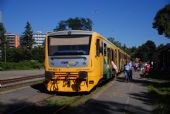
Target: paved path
column 120, row 97
column 19, row 73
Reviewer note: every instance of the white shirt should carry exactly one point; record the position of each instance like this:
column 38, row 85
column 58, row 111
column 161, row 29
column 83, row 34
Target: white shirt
column 130, row 66
column 127, row 67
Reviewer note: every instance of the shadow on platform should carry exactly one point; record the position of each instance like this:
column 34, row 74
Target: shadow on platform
column 90, row 107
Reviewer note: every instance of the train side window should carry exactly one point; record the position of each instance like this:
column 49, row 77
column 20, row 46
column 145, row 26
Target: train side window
column 101, row 48
column 105, row 49
column 108, row 55
column 98, row 47
column 113, row 55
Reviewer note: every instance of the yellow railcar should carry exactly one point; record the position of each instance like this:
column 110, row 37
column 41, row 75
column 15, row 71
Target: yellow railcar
column 76, row 61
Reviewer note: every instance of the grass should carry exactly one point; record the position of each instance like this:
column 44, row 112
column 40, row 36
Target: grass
column 159, row 91
column 22, row 65
column 61, row 100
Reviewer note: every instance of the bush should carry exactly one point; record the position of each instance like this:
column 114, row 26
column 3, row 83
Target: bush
column 38, row 54
column 23, row 58
column 22, row 65
column 22, row 54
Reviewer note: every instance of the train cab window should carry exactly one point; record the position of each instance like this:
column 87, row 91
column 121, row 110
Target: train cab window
column 98, row 47
column 105, row 47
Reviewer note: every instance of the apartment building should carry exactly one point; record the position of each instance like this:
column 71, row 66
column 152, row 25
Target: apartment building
column 39, row 39
column 13, row 40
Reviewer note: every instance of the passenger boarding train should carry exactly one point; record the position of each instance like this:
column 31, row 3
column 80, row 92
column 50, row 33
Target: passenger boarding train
column 76, row 60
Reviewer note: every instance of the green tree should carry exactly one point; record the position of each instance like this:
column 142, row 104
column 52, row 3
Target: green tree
column 27, row 37
column 117, row 43
column 160, row 46
column 38, row 54
column 132, row 51
column 2, row 33
column 3, row 41
column 125, row 48
column 162, row 21
column 145, row 51
column 61, row 26
column 75, row 24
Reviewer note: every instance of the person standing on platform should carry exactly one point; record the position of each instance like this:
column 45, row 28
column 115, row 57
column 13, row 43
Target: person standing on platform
column 147, row 69
column 126, row 72
column 130, row 70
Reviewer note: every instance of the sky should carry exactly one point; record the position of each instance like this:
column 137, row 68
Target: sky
column 128, row 21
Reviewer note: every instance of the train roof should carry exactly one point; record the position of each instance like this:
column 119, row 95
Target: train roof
column 81, row 32
column 71, row 32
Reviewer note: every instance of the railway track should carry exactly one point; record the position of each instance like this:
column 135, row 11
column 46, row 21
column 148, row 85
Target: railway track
column 9, row 82
column 53, row 103
column 61, row 106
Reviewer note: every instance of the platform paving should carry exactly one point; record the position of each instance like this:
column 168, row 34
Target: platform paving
column 19, row 73
column 120, row 97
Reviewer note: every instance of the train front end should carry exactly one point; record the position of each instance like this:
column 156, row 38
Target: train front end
column 68, row 63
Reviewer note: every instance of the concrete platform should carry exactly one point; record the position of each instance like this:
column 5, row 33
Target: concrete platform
column 119, row 97
column 19, row 73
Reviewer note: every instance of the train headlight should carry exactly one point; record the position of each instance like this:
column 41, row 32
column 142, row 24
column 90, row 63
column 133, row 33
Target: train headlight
column 49, row 75
column 82, row 74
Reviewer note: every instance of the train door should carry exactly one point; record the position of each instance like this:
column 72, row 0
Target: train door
column 105, row 63
column 115, row 57
column 109, row 62
column 108, row 56
column 99, row 57
column 119, row 58
column 112, row 59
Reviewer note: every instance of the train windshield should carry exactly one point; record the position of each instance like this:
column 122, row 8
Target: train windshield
column 69, row 45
